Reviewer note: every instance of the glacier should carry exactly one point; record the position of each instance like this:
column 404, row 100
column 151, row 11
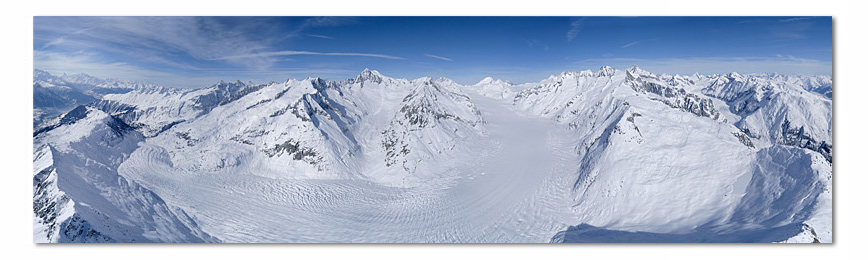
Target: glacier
column 582, row 156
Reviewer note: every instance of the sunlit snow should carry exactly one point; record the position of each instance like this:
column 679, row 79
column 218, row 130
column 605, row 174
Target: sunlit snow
column 591, row 156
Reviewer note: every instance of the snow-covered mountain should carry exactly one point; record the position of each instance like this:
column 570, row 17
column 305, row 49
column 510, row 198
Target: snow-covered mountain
column 153, row 110
column 54, row 95
column 589, row 156
column 80, row 197
column 493, row 88
column 650, row 142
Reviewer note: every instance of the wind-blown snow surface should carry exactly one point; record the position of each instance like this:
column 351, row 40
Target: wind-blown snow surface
column 605, row 156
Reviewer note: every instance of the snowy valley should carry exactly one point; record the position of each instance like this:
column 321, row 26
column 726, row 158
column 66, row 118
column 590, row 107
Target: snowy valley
column 582, row 156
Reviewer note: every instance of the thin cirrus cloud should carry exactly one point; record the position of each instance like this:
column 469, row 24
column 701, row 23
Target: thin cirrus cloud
column 794, row 19
column 320, row 36
column 199, row 38
column 575, row 27
column 91, row 64
column 94, row 65
column 438, row 57
column 53, row 43
column 289, row 53
column 62, row 39
column 628, row 45
column 176, row 50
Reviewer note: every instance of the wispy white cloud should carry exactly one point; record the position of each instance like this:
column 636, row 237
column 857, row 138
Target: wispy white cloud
column 317, row 22
column 785, row 64
column 182, row 42
column 637, row 42
column 202, row 38
column 288, row 53
column 438, row 57
column 320, row 36
column 91, row 64
column 575, row 28
column 62, row 39
column 791, row 29
column 54, row 42
column 630, row 44
column 794, row 19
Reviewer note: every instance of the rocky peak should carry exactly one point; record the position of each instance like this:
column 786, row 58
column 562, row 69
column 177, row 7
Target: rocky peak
column 635, row 72
column 735, row 76
column 369, row 75
column 606, row 71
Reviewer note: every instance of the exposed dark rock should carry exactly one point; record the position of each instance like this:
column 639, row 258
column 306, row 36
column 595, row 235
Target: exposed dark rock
column 297, row 152
column 796, row 136
column 78, row 230
column 744, row 139
column 186, row 136
column 679, row 98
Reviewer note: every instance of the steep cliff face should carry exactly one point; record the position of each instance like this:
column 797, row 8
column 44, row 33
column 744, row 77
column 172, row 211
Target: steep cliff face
column 671, row 93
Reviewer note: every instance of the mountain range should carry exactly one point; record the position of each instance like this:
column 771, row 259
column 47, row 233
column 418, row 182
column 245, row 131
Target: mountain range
column 582, row 156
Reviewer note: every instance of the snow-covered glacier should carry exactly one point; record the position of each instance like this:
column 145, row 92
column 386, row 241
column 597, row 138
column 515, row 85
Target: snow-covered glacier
column 582, row 156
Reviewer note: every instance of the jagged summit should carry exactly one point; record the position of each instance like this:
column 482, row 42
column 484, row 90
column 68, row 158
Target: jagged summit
column 370, row 75
column 222, row 83
column 635, row 72
column 735, row 75
column 38, row 73
column 606, row 71
column 237, row 81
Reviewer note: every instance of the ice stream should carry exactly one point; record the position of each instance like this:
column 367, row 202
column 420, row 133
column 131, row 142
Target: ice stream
column 516, row 190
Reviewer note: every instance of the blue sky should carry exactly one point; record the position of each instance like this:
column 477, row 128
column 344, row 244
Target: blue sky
column 198, row 51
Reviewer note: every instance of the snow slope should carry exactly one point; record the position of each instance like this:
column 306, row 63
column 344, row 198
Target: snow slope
column 79, row 196
column 663, row 160
column 591, row 156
